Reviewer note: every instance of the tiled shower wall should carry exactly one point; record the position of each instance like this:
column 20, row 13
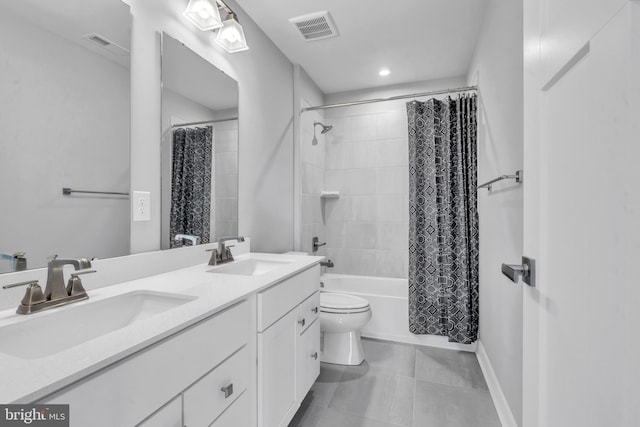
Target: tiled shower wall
column 367, row 161
column 225, row 206
column 312, row 169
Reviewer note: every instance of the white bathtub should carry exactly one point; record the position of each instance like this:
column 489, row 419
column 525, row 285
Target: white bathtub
column 388, row 298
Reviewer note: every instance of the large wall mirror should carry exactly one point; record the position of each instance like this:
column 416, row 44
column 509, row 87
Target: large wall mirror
column 199, row 148
column 64, row 116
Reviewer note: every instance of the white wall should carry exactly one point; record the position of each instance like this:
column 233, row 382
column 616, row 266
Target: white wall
column 265, row 81
column 497, row 69
column 367, row 161
column 65, row 123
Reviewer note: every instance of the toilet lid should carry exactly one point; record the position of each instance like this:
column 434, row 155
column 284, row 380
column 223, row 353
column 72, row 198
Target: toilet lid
column 337, row 301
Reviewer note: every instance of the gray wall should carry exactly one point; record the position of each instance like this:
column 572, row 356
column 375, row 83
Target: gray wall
column 497, row 69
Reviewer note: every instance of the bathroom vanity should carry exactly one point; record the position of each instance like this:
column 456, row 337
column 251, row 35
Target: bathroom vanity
column 230, row 345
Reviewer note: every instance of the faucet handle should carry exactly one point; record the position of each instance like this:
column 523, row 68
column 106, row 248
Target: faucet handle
column 32, row 296
column 74, row 285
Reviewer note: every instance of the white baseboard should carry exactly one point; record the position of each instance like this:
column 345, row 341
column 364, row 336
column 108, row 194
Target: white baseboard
column 426, row 340
column 499, row 399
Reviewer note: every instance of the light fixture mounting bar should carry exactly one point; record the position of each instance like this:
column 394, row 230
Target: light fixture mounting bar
column 226, row 8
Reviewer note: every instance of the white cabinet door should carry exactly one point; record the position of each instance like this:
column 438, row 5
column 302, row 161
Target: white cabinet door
column 276, row 372
column 169, row 416
column 308, row 354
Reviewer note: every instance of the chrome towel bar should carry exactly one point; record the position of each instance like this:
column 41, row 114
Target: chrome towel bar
column 67, row 191
column 517, row 176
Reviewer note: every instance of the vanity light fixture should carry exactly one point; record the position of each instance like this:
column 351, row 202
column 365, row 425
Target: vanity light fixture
column 204, row 14
column 231, row 35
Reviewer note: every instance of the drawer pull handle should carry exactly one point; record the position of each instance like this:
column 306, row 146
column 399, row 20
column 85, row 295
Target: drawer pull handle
column 228, row 390
column 315, row 355
column 302, row 322
column 315, row 310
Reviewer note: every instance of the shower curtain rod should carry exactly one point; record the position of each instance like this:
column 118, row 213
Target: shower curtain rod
column 204, row 123
column 391, row 98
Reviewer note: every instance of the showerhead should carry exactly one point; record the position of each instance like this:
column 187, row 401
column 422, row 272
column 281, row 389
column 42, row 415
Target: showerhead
column 325, row 128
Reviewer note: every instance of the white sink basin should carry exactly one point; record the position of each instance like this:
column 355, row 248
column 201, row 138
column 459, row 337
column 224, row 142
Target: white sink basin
column 250, row 267
column 65, row 327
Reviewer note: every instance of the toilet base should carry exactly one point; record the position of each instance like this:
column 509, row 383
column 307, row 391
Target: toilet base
column 343, row 348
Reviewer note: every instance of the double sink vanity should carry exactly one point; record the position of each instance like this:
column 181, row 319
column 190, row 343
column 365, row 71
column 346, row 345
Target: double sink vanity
column 230, row 345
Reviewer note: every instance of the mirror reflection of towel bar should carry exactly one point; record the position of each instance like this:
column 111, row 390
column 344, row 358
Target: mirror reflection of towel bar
column 517, row 176
column 68, row 191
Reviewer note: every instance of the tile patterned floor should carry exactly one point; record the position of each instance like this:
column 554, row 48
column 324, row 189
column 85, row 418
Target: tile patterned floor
column 400, row 385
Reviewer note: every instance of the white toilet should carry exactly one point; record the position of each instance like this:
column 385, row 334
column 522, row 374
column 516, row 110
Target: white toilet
column 341, row 318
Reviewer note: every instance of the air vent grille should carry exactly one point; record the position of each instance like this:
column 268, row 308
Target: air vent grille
column 315, row 26
column 105, row 43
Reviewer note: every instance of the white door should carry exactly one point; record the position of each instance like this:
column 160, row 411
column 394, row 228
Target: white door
column 581, row 352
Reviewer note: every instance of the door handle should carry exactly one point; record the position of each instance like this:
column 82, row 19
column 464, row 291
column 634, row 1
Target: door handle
column 526, row 270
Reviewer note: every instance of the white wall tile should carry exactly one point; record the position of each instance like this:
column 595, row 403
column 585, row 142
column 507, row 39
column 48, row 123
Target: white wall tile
column 392, row 208
column 362, row 128
column 361, row 261
column 393, row 152
column 389, row 263
column 335, row 180
column 226, row 162
column 363, row 209
column 336, row 233
column 394, row 180
column 391, row 125
column 338, row 156
column 361, row 181
column 362, row 155
column 361, row 235
column 393, row 235
column 336, row 210
column 226, row 185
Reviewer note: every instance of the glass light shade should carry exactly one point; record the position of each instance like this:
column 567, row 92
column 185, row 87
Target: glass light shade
column 231, row 36
column 204, row 14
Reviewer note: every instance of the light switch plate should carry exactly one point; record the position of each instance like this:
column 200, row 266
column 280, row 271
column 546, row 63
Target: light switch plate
column 141, row 206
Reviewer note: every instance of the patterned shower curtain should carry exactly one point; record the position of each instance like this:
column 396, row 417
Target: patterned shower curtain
column 443, row 218
column 191, row 183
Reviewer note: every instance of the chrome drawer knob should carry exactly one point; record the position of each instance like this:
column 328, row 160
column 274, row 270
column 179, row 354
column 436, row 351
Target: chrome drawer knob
column 302, row 322
column 314, row 310
column 315, row 355
column 228, row 390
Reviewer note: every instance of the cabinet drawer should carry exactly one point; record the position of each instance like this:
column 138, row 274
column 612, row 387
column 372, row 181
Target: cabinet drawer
column 238, row 414
column 169, row 416
column 279, row 299
column 308, row 312
column 308, row 360
column 143, row 382
column 206, row 399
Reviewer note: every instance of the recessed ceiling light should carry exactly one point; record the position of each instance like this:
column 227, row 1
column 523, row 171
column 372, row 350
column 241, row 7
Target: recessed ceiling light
column 384, row 72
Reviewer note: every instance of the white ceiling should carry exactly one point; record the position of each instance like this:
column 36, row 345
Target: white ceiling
column 416, row 39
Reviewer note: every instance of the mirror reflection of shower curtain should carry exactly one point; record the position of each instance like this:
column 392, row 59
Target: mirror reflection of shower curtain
column 443, row 218
column 192, row 155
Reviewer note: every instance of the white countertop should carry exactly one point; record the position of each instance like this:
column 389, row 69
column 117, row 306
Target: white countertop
column 27, row 380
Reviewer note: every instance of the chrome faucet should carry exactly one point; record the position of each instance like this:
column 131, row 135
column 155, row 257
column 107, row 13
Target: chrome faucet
column 193, row 239
column 55, row 293
column 223, row 253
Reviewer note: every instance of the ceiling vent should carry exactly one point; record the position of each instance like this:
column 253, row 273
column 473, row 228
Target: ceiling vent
column 315, row 26
column 106, row 44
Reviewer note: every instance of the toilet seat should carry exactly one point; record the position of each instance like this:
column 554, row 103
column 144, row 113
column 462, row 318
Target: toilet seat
column 333, row 302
